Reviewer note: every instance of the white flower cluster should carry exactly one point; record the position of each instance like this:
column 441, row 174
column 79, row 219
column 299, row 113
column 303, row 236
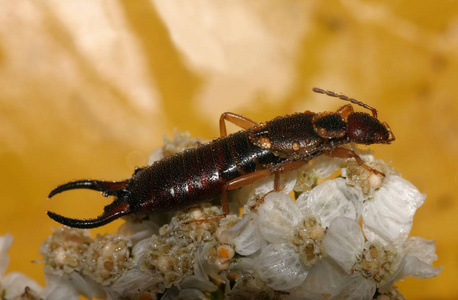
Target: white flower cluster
column 346, row 235
column 315, row 248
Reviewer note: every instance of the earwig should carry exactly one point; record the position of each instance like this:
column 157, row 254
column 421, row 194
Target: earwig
column 232, row 161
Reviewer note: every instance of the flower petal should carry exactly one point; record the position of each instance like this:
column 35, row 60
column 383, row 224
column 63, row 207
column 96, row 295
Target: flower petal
column 358, row 288
column 388, row 216
column 133, row 282
column 419, row 260
column 198, row 282
column 5, row 244
column 245, row 235
column 320, row 167
column 277, row 216
column 182, row 294
column 423, row 249
column 70, row 287
column 331, row 199
column 60, row 288
column 14, row 285
column 280, row 267
column 137, row 231
column 326, row 278
column 343, row 241
column 417, row 268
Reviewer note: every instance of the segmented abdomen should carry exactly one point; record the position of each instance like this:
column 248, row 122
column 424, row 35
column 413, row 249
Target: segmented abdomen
column 196, row 175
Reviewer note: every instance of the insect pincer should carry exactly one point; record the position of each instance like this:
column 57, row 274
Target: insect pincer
column 113, row 211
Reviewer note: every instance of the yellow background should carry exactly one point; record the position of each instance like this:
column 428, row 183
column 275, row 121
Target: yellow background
column 79, row 102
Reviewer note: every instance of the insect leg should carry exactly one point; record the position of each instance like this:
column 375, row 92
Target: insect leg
column 232, row 185
column 257, row 175
column 348, row 153
column 238, row 120
column 249, row 179
column 283, row 168
column 345, row 110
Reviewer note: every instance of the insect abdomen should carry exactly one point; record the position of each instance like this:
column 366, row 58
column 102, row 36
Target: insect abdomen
column 195, row 175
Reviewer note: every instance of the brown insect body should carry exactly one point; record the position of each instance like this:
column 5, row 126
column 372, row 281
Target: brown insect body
column 210, row 170
column 295, row 137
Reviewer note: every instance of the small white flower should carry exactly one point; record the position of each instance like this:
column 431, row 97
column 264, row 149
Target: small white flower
column 390, row 201
column 245, row 235
column 192, row 287
column 388, row 215
column 282, row 264
column 344, row 242
column 418, row 258
column 278, row 215
column 284, row 223
column 14, row 284
column 135, row 281
column 63, row 254
column 370, row 264
column 387, row 210
column 107, row 258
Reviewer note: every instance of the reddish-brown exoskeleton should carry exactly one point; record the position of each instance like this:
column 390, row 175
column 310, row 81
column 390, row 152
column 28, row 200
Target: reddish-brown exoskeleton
column 233, row 161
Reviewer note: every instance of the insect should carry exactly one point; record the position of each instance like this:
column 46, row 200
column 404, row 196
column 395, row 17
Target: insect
column 233, row 161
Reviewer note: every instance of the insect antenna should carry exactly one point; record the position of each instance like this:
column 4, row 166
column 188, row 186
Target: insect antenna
column 343, row 97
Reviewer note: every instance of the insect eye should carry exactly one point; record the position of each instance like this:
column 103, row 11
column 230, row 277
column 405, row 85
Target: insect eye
column 329, row 126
